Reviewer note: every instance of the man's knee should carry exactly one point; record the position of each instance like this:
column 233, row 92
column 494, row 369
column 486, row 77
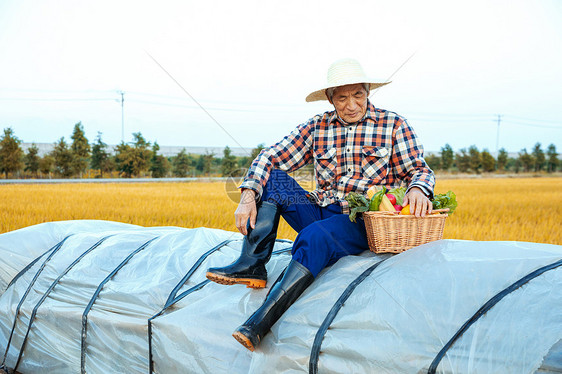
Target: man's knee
column 314, row 247
column 277, row 177
column 276, row 180
column 332, row 236
column 282, row 189
column 315, row 238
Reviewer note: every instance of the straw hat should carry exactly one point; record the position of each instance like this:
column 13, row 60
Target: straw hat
column 341, row 73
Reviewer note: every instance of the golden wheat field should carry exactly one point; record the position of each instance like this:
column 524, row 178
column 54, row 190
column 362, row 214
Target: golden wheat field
column 521, row 209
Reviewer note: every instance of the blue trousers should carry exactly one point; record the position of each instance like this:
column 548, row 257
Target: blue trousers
column 324, row 234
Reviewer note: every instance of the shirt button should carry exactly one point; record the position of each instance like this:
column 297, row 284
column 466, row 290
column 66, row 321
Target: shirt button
column 348, row 150
column 349, row 169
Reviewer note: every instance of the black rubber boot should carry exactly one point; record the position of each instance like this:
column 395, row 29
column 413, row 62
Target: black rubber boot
column 282, row 295
column 249, row 269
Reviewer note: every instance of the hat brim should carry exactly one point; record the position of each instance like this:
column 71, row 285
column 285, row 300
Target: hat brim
column 321, row 94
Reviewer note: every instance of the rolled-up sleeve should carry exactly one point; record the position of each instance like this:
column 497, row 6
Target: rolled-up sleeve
column 408, row 162
column 291, row 153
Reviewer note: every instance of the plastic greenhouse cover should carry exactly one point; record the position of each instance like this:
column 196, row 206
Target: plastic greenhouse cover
column 99, row 297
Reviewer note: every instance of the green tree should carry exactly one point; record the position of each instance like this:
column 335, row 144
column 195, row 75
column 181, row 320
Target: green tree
column 552, row 160
column 46, row 165
column 80, row 149
column 200, row 165
column 514, row 164
column 135, row 159
column 228, row 165
column 100, row 159
column 11, row 153
column 181, row 164
column 526, row 160
column 475, row 159
column 488, row 161
column 159, row 165
column 142, row 152
column 539, row 157
column 31, row 160
column 433, row 161
column 255, row 152
column 447, row 157
column 502, row 159
column 124, row 159
column 208, row 162
column 63, row 159
column 243, row 161
column 192, row 159
column 462, row 160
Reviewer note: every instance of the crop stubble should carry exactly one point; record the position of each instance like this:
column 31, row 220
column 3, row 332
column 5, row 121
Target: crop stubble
column 521, row 209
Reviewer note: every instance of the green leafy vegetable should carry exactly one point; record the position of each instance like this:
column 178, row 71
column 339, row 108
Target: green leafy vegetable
column 399, row 193
column 357, row 204
column 376, row 199
column 447, row 200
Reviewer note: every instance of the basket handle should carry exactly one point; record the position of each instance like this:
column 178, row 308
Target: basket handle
column 440, row 210
column 384, row 212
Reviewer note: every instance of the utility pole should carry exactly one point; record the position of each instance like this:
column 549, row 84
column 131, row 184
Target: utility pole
column 122, row 116
column 498, row 134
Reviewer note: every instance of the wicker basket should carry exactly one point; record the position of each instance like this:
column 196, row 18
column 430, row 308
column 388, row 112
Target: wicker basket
column 395, row 233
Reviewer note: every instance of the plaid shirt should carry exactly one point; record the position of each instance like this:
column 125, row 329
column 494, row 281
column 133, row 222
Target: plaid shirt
column 381, row 149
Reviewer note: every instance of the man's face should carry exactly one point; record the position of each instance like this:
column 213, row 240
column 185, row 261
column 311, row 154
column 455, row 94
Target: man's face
column 350, row 102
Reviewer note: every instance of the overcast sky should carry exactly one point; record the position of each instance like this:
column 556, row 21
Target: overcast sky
column 247, row 66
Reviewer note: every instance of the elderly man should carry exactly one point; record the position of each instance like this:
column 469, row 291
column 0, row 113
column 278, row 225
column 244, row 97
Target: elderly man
column 354, row 147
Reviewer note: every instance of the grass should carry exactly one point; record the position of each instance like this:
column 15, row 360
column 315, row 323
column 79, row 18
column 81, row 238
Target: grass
column 519, row 209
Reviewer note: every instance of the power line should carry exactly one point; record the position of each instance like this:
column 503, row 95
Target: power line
column 498, row 133
column 533, row 125
column 463, row 115
column 392, row 75
column 445, row 118
column 268, row 108
column 20, row 90
column 47, row 99
column 221, row 102
column 186, row 106
column 196, row 102
column 535, row 120
column 451, row 120
column 122, row 116
column 134, row 93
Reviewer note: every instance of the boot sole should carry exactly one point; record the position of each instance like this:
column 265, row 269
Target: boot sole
column 249, row 282
column 242, row 339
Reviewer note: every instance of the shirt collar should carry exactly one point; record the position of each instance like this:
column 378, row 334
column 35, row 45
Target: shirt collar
column 370, row 114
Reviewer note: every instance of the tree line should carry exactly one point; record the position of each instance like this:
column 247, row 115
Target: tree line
column 139, row 158
column 472, row 160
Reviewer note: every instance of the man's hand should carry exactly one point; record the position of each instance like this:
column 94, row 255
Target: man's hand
column 246, row 210
column 419, row 203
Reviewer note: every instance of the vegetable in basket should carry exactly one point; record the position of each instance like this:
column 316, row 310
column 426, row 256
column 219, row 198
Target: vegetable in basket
column 386, row 205
column 399, row 194
column 380, row 201
column 357, row 204
column 377, row 199
column 446, row 200
column 439, row 201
